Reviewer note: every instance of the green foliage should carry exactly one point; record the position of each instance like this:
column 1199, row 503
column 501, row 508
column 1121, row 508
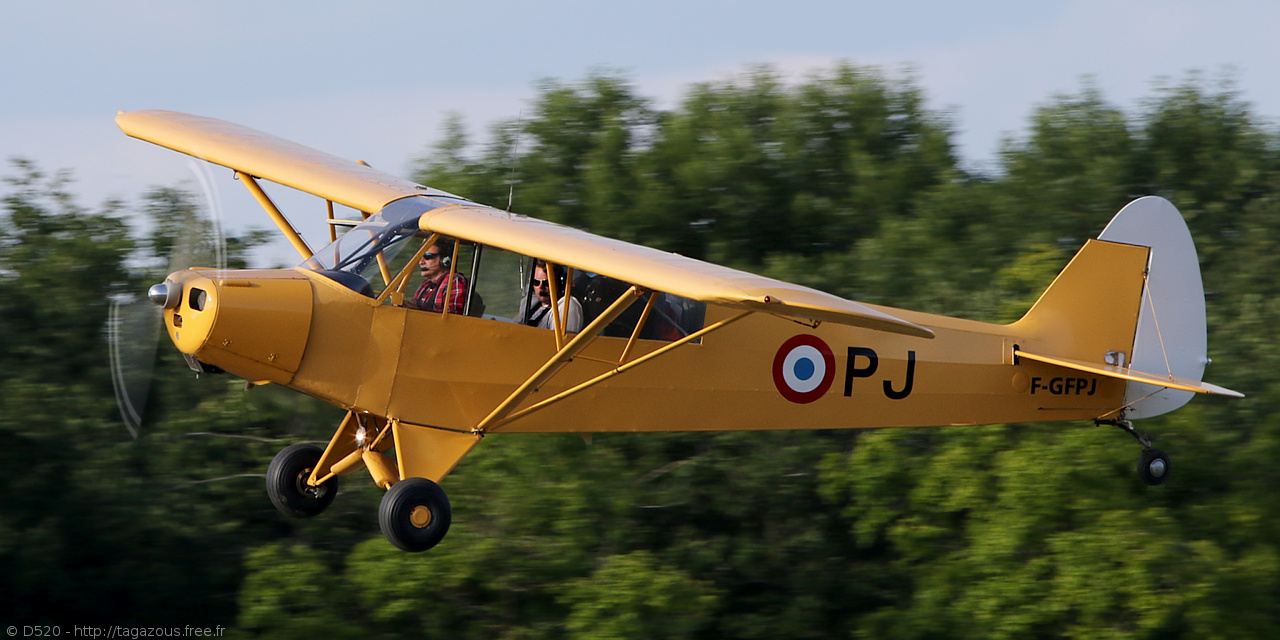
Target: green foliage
column 632, row 597
column 289, row 594
column 844, row 181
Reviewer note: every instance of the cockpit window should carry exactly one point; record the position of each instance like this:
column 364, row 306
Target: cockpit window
column 381, row 237
column 498, row 281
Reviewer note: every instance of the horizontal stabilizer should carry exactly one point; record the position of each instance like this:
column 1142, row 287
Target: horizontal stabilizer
column 1123, row 373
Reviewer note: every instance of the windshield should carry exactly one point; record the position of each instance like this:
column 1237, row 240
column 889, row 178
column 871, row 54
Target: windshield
column 383, row 234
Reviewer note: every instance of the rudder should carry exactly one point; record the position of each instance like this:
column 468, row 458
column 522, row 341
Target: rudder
column 1172, row 336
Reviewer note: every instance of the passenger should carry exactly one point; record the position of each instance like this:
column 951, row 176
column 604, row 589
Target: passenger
column 539, row 315
column 431, row 294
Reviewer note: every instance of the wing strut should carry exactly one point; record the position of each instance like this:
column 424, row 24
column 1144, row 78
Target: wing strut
column 287, row 229
column 561, row 358
column 620, row 369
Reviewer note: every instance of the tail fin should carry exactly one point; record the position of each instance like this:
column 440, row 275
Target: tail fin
column 1131, row 299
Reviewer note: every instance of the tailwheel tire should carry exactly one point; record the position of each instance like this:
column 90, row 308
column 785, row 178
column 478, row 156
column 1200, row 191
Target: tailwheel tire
column 415, row 514
column 287, row 482
column 1153, row 466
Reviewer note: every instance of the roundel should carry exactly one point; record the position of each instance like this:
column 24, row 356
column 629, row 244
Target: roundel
column 803, row 368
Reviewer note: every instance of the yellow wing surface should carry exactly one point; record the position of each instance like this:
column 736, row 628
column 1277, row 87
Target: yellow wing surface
column 270, row 158
column 654, row 269
column 367, row 189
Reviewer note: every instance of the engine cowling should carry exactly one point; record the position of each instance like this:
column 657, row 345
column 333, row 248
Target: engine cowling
column 253, row 323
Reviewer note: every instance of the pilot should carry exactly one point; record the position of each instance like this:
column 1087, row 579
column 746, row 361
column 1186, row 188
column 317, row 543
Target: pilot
column 539, row 315
column 434, row 266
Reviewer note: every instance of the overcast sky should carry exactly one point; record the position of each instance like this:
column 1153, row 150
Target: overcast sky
column 374, row 80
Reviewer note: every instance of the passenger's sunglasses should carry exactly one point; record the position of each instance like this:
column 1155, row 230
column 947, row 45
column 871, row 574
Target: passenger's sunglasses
column 540, row 283
column 430, row 256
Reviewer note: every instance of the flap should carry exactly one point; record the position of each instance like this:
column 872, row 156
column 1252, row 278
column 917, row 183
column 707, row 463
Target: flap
column 656, row 270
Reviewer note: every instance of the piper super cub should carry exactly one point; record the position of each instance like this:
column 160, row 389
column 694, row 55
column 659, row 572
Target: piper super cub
column 632, row 338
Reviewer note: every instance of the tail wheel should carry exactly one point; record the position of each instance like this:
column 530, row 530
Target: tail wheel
column 1153, row 466
column 415, row 514
column 287, row 482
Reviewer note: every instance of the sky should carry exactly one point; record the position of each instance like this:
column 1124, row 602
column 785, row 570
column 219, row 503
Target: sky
column 374, row 81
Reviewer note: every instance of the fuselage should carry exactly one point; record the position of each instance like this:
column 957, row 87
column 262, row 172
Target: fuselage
column 299, row 329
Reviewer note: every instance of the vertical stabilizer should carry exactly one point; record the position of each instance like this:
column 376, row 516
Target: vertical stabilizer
column 1090, row 311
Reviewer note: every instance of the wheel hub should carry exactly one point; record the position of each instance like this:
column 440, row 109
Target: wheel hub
column 305, row 487
column 420, row 516
column 1157, row 468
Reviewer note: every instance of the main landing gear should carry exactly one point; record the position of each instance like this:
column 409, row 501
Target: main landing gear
column 1153, row 464
column 302, row 481
column 415, row 514
column 288, row 483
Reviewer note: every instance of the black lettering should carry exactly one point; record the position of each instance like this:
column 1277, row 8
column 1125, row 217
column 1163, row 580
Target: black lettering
column 1055, row 386
column 851, row 372
column 1093, row 387
column 911, row 378
column 1035, row 384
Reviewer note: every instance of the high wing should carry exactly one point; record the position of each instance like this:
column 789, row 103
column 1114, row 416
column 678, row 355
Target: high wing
column 270, row 158
column 654, row 269
column 369, row 190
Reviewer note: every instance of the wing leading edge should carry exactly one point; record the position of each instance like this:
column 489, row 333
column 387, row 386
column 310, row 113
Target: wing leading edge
column 657, row 270
column 265, row 156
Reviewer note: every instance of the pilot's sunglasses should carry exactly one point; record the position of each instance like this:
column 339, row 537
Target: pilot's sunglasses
column 430, row 256
column 540, row 283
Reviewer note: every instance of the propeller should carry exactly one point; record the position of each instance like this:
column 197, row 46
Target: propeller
column 189, row 235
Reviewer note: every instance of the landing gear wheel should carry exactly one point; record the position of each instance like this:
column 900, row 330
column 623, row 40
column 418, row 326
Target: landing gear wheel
column 287, row 482
column 415, row 514
column 1153, row 466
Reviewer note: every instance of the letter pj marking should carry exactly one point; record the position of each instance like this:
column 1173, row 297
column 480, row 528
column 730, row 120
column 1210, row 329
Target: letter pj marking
column 911, row 378
column 851, row 372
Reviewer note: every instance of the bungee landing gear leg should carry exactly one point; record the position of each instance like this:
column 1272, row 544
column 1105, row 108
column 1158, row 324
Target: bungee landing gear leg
column 1153, row 464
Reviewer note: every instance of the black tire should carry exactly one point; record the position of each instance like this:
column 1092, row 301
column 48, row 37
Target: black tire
column 287, row 482
column 1153, row 466
column 415, row 514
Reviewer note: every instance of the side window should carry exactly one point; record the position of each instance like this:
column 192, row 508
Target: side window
column 424, row 276
column 670, row 318
column 498, row 279
column 501, row 280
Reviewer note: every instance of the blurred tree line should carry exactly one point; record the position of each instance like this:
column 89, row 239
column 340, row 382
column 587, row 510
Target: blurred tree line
column 844, row 181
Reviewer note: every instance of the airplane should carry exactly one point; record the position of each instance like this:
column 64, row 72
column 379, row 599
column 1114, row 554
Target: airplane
column 667, row 342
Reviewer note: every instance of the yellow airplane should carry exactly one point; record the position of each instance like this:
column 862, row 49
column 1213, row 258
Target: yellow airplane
column 638, row 339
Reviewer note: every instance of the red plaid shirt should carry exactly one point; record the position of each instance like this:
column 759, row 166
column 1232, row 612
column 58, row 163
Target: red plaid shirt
column 431, row 293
